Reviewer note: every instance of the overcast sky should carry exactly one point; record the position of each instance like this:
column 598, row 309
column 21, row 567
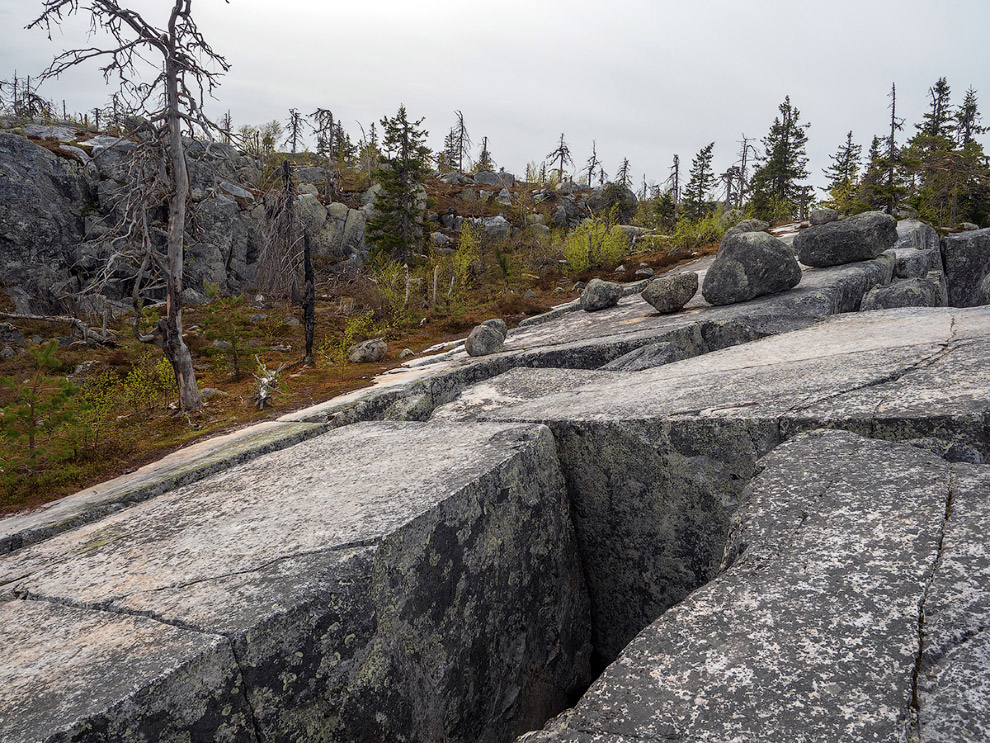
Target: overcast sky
column 645, row 78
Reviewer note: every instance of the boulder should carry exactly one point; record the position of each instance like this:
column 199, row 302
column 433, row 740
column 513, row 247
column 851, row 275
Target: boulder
column 368, row 352
column 730, row 217
column 494, row 227
column 912, row 263
column 823, row 216
column 605, row 197
column 10, row 336
column 600, row 295
column 671, row 292
column 499, row 325
column 504, row 197
column 966, row 257
column 915, row 292
column 859, row 238
column 969, row 226
column 747, row 225
column 485, row 339
column 750, row 265
column 983, row 296
column 486, row 178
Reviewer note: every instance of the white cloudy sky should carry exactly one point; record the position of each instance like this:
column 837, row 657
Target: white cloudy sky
column 645, row 78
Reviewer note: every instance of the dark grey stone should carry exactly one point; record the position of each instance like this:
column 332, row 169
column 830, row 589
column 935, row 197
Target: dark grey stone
column 750, row 265
column 600, row 295
column 671, row 291
column 858, row 238
column 747, row 225
column 919, row 292
column 368, row 352
column 10, row 336
column 912, row 263
column 823, row 216
column 967, row 263
column 983, row 296
column 485, row 339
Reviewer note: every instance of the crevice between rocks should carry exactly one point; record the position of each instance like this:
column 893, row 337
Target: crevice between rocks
column 915, row 707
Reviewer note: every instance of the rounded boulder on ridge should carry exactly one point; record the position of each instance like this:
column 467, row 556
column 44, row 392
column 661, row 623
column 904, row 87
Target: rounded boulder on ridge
column 859, row 238
column 670, row 292
column 600, row 295
column 750, row 265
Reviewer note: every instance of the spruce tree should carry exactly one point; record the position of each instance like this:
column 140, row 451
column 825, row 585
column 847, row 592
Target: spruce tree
column 395, row 226
column 775, row 191
column 624, row 177
column 695, row 202
column 842, row 175
column 485, row 163
column 967, row 119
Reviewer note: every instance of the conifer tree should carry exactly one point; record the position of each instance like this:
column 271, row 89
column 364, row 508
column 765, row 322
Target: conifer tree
column 485, row 163
column 593, row 162
column 967, row 120
column 843, row 175
column 696, row 203
column 776, row 192
column 395, row 226
column 460, row 143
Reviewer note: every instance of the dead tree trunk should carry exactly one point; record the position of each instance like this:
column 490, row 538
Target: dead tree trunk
column 309, row 297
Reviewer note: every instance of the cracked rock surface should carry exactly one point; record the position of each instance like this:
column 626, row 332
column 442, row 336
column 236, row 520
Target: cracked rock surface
column 392, row 581
column 835, row 566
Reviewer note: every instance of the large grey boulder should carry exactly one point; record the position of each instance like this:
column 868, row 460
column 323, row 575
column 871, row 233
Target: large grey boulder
column 823, row 216
column 750, row 265
column 747, row 225
column 927, row 291
column 603, row 198
column 967, row 262
column 859, row 238
column 484, row 340
column 368, row 352
column 600, row 295
column 912, row 263
column 671, row 291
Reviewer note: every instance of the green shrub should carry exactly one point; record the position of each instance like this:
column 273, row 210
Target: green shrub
column 596, row 243
column 333, row 352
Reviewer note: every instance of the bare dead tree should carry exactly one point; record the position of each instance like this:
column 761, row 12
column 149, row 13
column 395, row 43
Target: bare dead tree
column 323, row 127
column 309, row 297
column 561, row 156
column 593, row 162
column 294, row 129
column 462, row 141
column 278, row 262
column 186, row 71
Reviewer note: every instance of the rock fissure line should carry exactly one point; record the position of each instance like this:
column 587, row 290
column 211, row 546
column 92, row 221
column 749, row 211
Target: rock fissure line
column 932, row 358
column 915, row 710
column 357, row 544
column 255, row 725
column 109, row 608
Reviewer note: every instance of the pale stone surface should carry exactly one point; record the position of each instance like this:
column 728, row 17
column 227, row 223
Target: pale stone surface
column 341, row 572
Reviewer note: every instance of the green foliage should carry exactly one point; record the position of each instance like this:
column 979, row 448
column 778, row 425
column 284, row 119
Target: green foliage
column 395, row 227
column 389, row 278
column 101, row 394
column 596, row 243
column 842, row 176
column 468, row 258
column 775, row 191
column 150, row 382
column 43, row 407
column 222, row 320
column 696, row 203
column 333, row 351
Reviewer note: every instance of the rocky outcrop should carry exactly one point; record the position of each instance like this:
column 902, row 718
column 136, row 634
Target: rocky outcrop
column 309, row 604
column 858, row 238
column 966, row 257
column 750, row 265
column 848, row 577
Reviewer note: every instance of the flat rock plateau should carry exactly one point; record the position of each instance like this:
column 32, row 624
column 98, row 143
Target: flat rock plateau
column 762, row 521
